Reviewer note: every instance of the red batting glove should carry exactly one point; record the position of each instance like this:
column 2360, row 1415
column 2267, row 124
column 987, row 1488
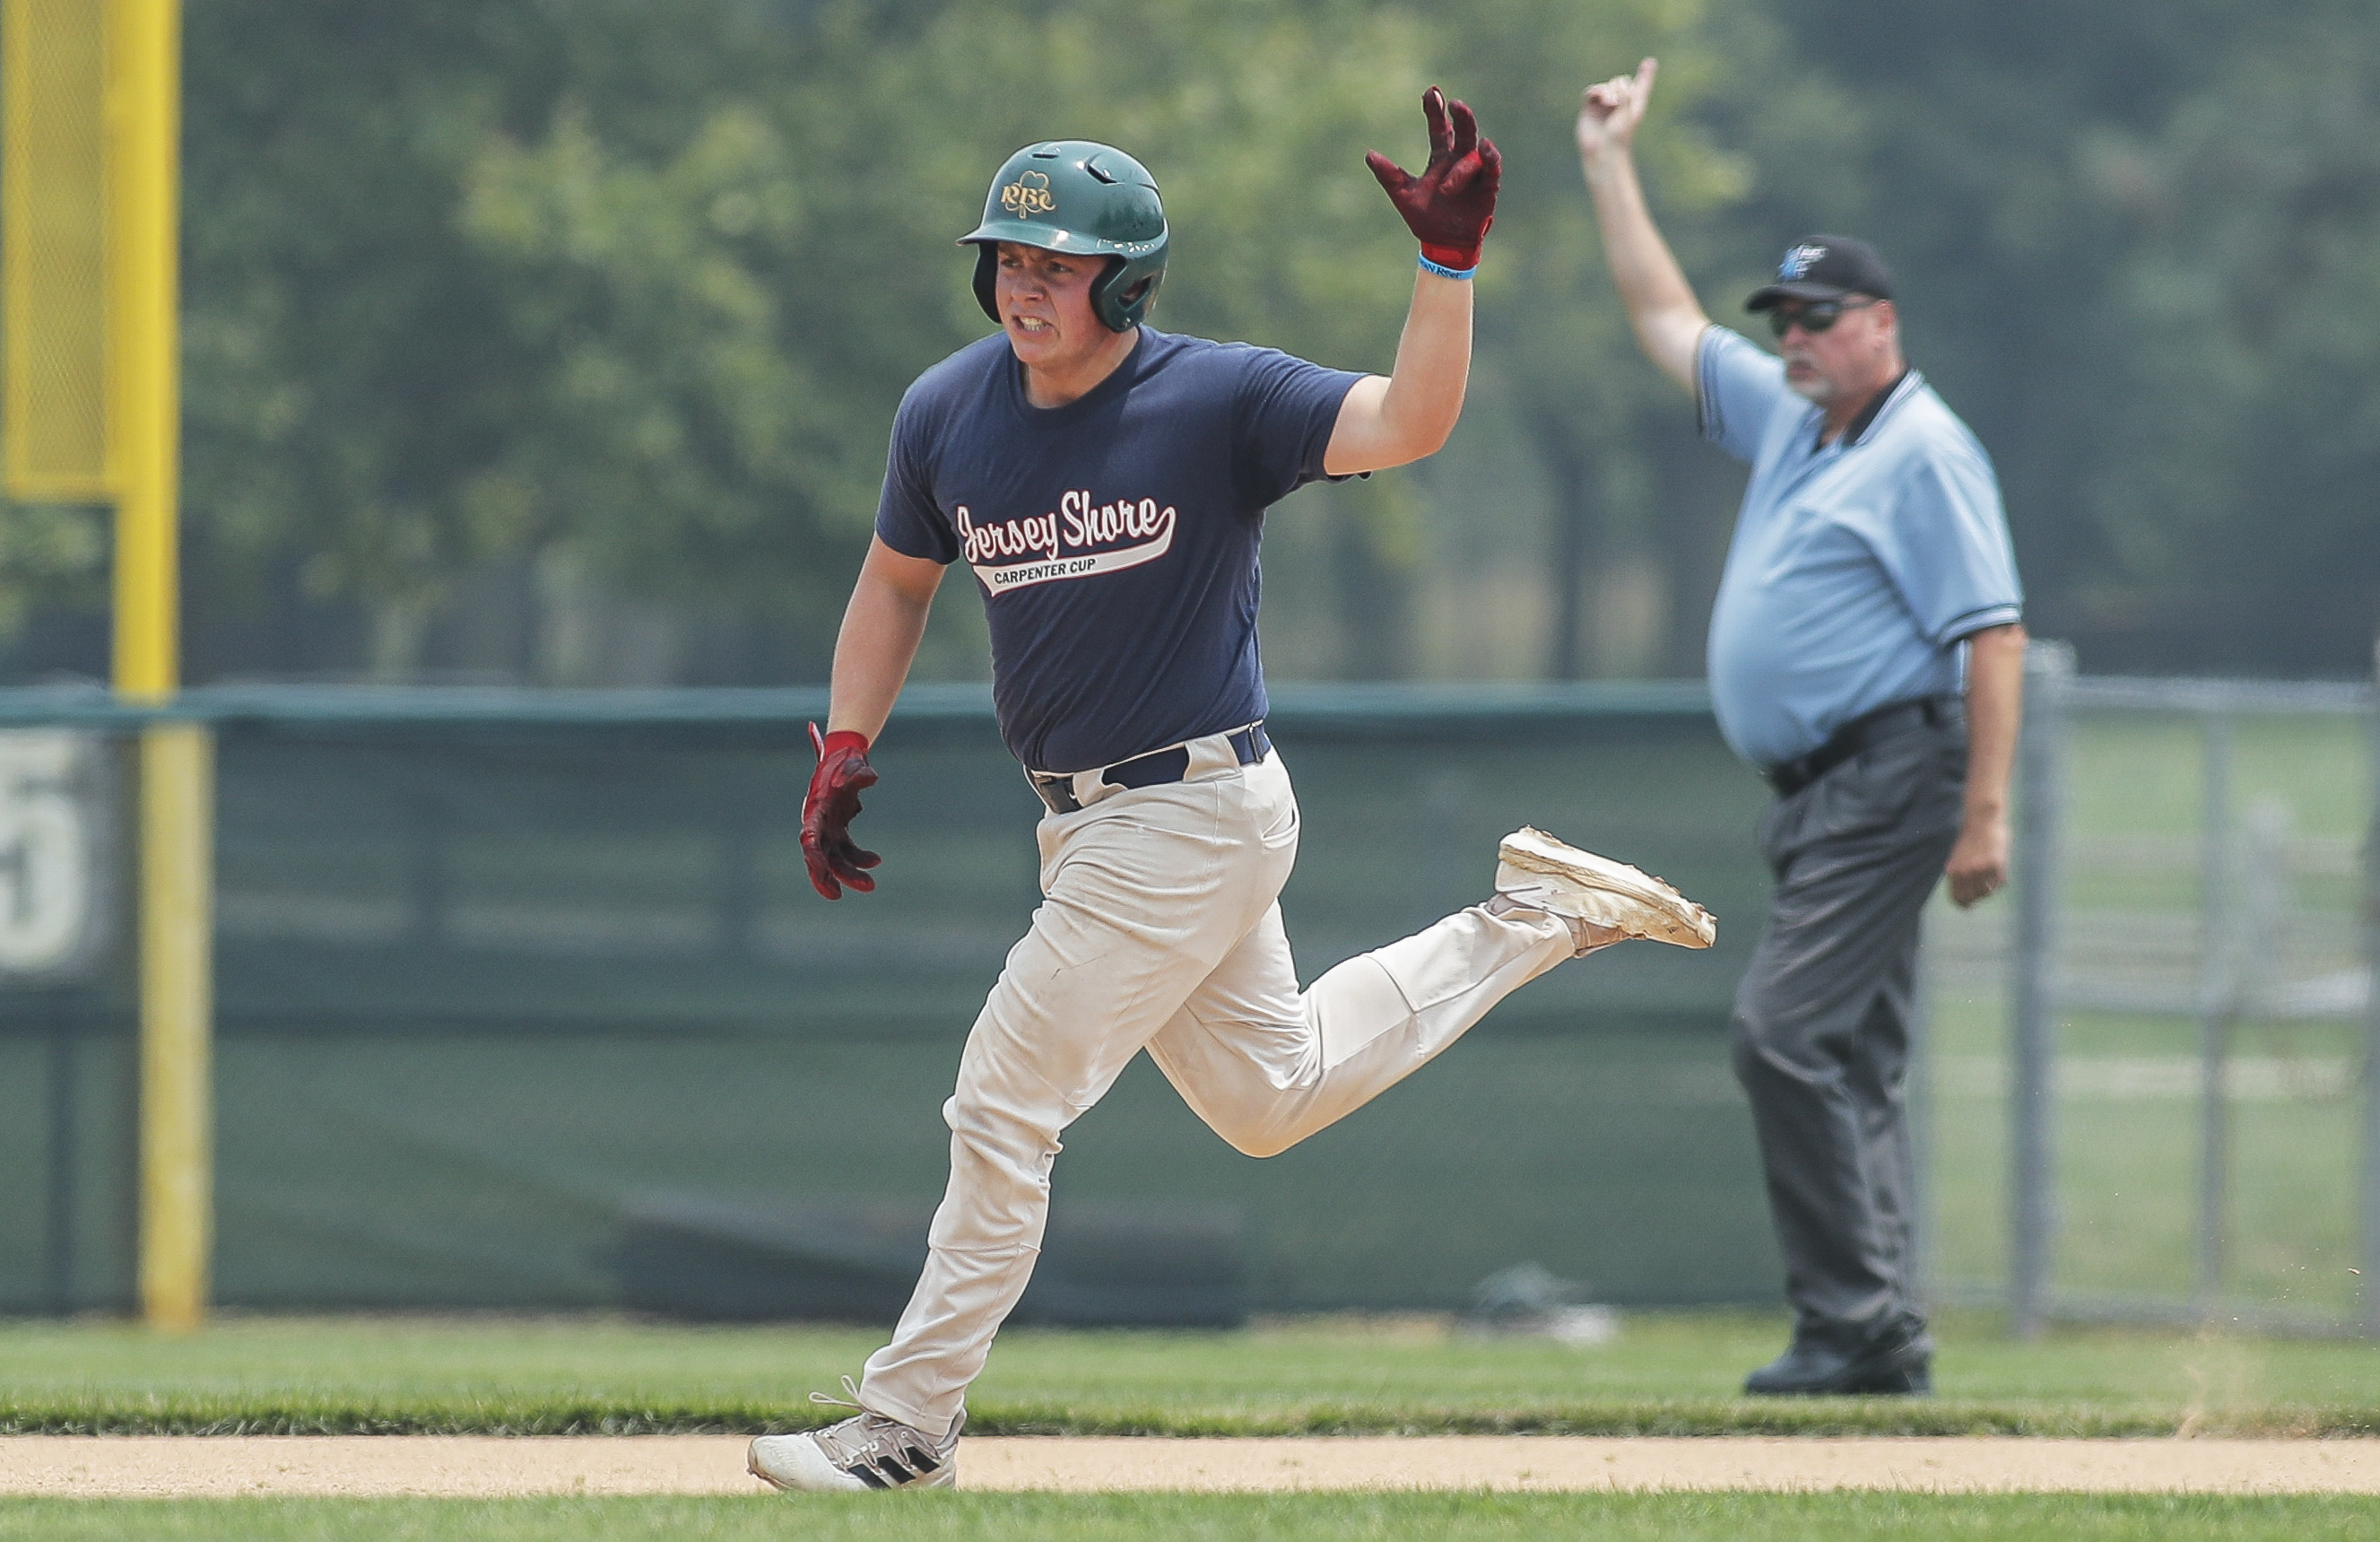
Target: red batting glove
column 842, row 774
column 1449, row 206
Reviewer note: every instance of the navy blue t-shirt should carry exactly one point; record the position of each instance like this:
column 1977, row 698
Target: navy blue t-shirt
column 1114, row 538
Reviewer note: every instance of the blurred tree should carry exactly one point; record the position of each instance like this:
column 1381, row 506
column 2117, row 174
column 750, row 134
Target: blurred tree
column 1631, row 489
column 52, row 556
column 491, row 290
column 340, row 332
column 643, row 282
column 2136, row 240
column 723, row 328
column 2230, row 493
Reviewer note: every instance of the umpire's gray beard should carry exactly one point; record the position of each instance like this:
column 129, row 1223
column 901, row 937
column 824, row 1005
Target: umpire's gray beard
column 1818, row 390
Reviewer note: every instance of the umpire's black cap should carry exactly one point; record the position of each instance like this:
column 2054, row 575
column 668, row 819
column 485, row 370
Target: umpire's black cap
column 1824, row 267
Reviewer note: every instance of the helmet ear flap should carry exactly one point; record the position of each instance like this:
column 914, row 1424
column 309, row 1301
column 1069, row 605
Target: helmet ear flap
column 1110, row 307
column 986, row 273
column 1120, row 297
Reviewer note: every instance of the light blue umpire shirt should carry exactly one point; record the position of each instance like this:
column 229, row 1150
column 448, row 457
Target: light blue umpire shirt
column 1858, row 568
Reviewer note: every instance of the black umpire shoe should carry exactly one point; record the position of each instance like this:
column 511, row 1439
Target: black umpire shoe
column 1897, row 1359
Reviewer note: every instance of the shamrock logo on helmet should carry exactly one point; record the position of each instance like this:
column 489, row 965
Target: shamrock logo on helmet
column 1029, row 195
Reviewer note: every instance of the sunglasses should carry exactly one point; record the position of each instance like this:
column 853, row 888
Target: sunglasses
column 1815, row 317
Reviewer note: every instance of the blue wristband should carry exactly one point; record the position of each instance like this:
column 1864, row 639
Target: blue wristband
column 1445, row 272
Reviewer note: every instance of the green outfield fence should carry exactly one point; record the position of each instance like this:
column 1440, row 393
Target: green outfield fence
column 523, row 1002
column 522, row 994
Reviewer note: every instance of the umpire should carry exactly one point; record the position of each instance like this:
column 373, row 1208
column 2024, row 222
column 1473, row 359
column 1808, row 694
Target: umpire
column 1866, row 654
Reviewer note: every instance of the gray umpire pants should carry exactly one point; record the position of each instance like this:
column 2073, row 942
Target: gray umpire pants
column 1822, row 1021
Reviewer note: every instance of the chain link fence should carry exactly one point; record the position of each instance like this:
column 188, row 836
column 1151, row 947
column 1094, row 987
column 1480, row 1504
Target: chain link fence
column 522, row 1001
column 2147, row 1087
column 513, row 988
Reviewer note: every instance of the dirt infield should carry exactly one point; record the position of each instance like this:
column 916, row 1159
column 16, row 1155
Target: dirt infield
column 476, row 1467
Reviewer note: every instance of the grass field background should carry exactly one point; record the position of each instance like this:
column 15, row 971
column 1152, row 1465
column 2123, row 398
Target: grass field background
column 2126, row 1137
column 1665, row 1374
column 1222, row 1518
column 2127, row 1174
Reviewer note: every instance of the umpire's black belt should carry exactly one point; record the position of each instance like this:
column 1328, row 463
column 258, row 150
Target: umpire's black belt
column 1869, row 728
column 1154, row 769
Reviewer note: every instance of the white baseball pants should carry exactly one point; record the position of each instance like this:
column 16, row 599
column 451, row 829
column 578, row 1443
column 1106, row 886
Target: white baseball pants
column 1159, row 931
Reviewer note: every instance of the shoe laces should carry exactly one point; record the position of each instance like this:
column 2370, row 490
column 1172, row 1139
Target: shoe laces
column 867, row 1436
column 1585, row 937
column 850, row 1398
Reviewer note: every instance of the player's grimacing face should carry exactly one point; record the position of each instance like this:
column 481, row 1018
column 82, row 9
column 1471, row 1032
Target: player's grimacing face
column 1045, row 305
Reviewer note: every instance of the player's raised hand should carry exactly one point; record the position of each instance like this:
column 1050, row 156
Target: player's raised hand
column 842, row 773
column 1608, row 112
column 1449, row 206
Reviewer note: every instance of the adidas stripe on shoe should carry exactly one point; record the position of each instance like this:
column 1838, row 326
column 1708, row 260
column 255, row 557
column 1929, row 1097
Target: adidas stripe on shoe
column 867, row 1450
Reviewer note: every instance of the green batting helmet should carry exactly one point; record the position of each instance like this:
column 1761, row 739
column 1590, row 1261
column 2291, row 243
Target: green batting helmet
column 1075, row 196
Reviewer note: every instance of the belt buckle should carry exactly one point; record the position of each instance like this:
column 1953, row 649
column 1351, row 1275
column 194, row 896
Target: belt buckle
column 1057, row 793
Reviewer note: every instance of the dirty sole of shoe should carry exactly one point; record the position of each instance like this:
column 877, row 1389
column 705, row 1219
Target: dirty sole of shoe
column 1530, row 849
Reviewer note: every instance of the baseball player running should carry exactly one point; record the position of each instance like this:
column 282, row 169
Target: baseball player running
column 1106, row 483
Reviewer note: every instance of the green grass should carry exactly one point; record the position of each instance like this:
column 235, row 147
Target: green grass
column 1667, row 1373
column 1222, row 1518
column 2127, row 1174
column 2127, row 1170
column 2141, row 772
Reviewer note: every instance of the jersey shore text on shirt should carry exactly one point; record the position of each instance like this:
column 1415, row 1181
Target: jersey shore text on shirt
column 1115, row 538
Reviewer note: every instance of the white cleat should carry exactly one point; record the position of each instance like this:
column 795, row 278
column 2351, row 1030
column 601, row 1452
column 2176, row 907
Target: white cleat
column 1535, row 871
column 865, row 1452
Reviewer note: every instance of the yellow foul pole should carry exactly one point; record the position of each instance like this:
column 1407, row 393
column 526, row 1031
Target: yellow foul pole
column 143, row 111
column 143, row 116
column 89, row 155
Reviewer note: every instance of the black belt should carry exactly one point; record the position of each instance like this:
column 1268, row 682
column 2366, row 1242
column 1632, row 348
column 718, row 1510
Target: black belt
column 1154, row 769
column 1867, row 729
